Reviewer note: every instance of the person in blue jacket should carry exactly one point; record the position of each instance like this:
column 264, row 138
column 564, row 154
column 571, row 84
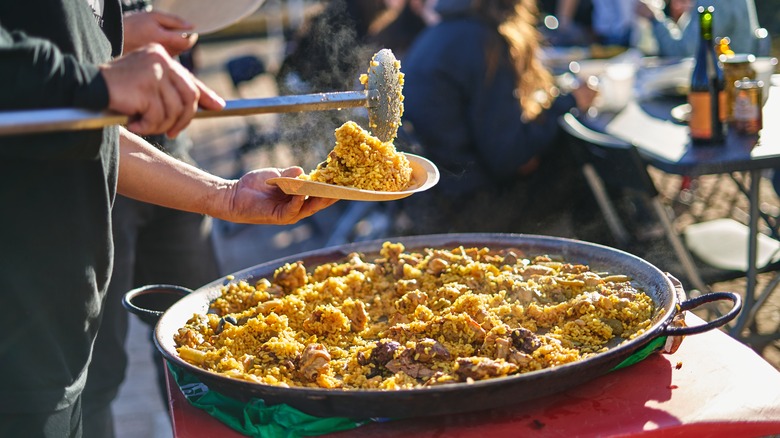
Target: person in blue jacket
column 485, row 110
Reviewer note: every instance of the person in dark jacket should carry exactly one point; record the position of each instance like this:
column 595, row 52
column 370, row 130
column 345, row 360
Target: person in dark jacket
column 152, row 244
column 485, row 110
column 58, row 189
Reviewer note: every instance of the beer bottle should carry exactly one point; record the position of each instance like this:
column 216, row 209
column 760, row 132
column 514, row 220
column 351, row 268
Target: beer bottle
column 706, row 92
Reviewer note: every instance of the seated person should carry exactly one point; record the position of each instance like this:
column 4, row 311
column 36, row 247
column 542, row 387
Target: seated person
column 735, row 19
column 486, row 112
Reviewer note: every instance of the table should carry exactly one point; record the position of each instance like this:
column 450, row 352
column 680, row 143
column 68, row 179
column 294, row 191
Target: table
column 666, row 145
column 712, row 386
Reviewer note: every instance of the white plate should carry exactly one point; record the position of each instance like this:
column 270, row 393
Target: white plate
column 209, row 15
column 424, row 176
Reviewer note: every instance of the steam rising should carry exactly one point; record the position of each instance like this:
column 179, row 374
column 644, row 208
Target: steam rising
column 326, row 56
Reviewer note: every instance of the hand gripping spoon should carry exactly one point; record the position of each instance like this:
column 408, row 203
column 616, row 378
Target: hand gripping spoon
column 382, row 97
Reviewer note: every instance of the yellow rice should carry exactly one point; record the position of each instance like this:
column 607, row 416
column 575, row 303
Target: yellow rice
column 362, row 161
column 407, row 319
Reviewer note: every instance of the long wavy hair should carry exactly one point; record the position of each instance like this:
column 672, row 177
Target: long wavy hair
column 515, row 21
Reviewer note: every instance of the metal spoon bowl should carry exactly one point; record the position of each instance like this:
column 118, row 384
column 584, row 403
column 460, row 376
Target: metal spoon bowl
column 384, row 76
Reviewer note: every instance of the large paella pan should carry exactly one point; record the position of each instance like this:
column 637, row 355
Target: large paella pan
column 467, row 395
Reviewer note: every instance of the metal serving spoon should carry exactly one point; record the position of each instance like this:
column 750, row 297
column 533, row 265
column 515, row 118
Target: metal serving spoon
column 382, row 97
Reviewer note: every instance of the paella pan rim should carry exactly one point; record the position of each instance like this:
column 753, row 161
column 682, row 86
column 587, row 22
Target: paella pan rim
column 441, row 399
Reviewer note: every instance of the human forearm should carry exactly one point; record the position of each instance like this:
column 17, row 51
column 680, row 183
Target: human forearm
column 147, row 174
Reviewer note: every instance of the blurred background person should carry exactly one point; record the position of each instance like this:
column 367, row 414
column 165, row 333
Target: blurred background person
column 611, row 21
column 485, row 110
column 571, row 27
column 678, row 34
column 152, row 244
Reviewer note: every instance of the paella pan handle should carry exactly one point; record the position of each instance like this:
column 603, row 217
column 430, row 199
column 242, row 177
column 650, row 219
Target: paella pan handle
column 151, row 301
column 693, row 303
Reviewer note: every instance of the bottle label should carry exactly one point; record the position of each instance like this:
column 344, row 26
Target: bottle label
column 747, row 110
column 700, row 122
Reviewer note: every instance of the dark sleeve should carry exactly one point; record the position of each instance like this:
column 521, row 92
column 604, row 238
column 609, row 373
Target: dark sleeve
column 44, row 77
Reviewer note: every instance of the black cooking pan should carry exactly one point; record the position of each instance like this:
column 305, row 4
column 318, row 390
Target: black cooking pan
column 458, row 397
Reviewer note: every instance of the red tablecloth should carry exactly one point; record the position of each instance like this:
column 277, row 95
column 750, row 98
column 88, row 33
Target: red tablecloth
column 712, row 386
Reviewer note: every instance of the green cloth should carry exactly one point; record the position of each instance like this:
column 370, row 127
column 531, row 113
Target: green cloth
column 254, row 418
column 641, row 354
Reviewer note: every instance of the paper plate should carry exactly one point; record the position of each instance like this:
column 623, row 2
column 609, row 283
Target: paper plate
column 209, row 15
column 424, row 176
